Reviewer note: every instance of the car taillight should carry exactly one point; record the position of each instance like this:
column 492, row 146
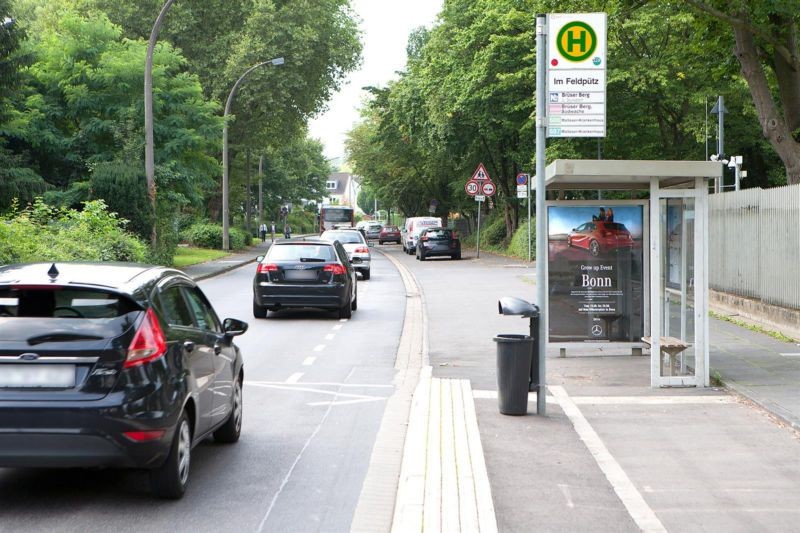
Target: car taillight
column 148, row 343
column 425, row 238
column 263, row 269
column 362, row 250
column 334, row 268
column 144, row 436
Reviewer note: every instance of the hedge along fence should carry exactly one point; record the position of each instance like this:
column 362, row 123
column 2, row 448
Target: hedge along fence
column 40, row 232
column 207, row 235
column 493, row 235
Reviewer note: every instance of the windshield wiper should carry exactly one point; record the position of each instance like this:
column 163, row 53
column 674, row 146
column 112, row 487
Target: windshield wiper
column 64, row 336
column 311, row 260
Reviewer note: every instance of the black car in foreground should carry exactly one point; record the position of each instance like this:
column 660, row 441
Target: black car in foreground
column 435, row 242
column 114, row 365
column 305, row 273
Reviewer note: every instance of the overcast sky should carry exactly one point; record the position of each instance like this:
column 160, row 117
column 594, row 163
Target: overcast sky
column 385, row 25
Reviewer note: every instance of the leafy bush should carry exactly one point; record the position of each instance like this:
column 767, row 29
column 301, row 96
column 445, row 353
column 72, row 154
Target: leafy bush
column 207, row 235
column 494, row 232
column 41, row 232
column 519, row 244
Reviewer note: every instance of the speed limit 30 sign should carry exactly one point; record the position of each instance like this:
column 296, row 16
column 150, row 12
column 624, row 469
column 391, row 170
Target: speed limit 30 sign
column 472, row 187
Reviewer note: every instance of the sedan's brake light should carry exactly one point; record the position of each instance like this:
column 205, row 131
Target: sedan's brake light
column 148, row 343
column 425, row 238
column 334, row 268
column 144, row 436
column 263, row 269
column 362, row 250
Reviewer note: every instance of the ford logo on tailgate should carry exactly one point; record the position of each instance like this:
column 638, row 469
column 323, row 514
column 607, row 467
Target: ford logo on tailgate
column 29, row 356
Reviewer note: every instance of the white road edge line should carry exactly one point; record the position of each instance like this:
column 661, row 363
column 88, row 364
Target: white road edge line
column 330, row 336
column 343, row 320
column 633, row 501
column 337, row 327
column 791, row 354
column 319, row 347
column 308, row 361
column 319, row 384
column 294, row 378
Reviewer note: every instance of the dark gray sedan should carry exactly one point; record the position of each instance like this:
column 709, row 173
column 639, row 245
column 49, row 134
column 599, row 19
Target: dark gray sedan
column 437, row 242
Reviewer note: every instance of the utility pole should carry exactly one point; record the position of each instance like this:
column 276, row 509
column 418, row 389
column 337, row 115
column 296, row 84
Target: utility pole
column 149, row 149
column 720, row 110
column 541, row 235
column 260, row 190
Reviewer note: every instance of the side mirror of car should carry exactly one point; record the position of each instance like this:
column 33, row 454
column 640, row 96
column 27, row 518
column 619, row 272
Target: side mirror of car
column 371, row 244
column 233, row 327
column 259, row 258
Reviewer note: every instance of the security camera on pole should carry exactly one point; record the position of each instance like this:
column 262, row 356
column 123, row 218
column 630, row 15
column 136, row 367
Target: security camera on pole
column 480, row 186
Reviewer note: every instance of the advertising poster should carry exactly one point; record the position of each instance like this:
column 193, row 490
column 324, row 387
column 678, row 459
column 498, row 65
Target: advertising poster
column 596, row 272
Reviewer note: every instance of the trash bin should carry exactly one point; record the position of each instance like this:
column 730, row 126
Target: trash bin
column 514, row 354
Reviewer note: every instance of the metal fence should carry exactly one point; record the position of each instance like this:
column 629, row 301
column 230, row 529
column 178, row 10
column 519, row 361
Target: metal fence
column 754, row 244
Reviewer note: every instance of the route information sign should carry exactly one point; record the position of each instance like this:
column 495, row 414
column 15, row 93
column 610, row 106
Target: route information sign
column 576, row 75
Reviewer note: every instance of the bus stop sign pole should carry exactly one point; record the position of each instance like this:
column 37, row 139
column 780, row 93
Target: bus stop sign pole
column 541, row 238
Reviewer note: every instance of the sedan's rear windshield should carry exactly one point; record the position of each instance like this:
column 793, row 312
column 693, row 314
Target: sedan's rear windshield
column 302, row 252
column 57, row 313
column 344, row 237
column 615, row 226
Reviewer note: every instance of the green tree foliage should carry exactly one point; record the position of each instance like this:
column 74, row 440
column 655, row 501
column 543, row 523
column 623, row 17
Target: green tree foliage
column 768, row 51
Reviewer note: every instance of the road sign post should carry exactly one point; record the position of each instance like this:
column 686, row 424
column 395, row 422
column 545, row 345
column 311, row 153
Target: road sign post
column 480, row 186
column 541, row 243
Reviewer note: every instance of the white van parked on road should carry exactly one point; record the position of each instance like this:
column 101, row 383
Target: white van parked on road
column 411, row 229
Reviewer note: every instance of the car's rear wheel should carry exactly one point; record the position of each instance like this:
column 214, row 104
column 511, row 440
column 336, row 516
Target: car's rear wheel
column 594, row 248
column 421, row 255
column 354, row 305
column 259, row 311
column 456, row 256
column 365, row 273
column 170, row 479
column 229, row 432
column 346, row 311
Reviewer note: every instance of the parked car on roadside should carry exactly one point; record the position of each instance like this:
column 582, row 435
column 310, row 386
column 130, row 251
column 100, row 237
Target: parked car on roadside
column 600, row 236
column 357, row 248
column 114, row 365
column 389, row 234
column 309, row 273
column 437, row 242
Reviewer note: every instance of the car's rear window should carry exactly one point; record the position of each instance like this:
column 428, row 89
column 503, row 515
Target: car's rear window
column 439, row 234
column 27, row 313
column 301, row 252
column 390, row 228
column 615, row 226
column 344, row 237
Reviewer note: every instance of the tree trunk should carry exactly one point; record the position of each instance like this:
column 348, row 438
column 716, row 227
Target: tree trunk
column 773, row 125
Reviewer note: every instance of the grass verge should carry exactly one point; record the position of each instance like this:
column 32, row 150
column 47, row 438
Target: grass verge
column 752, row 327
column 185, row 256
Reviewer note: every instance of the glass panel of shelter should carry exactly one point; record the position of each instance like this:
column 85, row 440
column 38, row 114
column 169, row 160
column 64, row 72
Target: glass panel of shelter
column 676, row 216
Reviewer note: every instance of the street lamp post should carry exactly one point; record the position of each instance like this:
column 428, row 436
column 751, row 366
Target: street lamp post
column 149, row 157
column 225, row 210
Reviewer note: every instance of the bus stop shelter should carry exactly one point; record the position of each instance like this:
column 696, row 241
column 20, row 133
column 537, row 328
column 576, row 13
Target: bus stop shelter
column 630, row 272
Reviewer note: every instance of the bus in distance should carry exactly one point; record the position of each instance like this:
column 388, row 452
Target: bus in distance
column 335, row 215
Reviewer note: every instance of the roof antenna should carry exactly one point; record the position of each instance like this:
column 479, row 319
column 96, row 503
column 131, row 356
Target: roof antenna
column 53, row 272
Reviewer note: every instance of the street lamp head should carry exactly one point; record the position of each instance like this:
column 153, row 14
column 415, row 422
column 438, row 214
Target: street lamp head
column 278, row 61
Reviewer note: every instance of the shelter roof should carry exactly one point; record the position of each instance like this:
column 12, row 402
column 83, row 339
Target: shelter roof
column 589, row 174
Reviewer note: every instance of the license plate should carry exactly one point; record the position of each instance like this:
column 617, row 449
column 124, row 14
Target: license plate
column 37, row 375
column 299, row 275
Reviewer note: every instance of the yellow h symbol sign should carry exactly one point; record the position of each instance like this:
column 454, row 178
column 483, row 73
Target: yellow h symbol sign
column 576, row 41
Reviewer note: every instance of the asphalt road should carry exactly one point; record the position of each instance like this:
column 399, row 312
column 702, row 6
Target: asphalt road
column 315, row 390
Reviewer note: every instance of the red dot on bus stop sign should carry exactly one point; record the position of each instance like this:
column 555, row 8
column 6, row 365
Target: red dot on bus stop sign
column 554, row 62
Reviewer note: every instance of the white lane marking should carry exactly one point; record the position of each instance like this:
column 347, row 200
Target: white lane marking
column 567, row 495
column 791, row 354
column 622, row 400
column 633, row 501
column 308, row 361
column 319, row 347
column 348, row 402
column 319, row 391
column 296, row 461
column 337, row 327
column 343, row 320
column 320, row 384
column 294, row 378
column 330, row 336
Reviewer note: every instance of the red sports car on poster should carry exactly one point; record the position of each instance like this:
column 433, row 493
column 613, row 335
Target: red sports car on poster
column 600, row 236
